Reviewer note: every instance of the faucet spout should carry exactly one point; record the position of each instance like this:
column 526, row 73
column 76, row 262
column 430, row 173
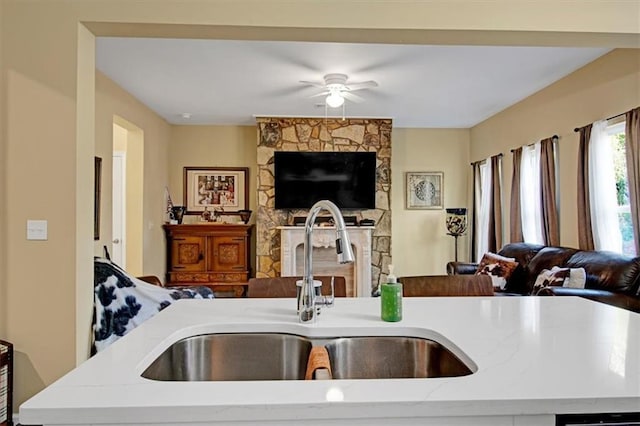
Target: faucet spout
column 307, row 300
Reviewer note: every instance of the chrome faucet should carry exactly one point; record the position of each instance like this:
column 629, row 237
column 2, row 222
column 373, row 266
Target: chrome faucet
column 308, row 301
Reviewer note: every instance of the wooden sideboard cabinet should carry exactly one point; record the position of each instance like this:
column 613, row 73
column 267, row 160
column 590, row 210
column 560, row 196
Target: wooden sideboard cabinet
column 213, row 255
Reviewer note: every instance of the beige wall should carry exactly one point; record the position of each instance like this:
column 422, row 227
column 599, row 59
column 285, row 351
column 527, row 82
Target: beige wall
column 39, row 77
column 421, row 245
column 213, row 146
column 445, row 150
column 604, row 88
column 47, row 137
column 3, row 191
column 151, row 134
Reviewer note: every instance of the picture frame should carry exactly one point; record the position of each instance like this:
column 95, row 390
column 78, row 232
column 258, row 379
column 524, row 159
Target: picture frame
column 424, row 190
column 215, row 188
column 97, row 193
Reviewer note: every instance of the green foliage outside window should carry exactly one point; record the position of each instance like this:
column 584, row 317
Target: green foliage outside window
column 622, row 192
column 620, row 169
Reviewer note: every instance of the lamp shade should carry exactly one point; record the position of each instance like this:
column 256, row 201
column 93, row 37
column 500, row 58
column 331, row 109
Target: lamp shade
column 456, row 221
column 335, row 99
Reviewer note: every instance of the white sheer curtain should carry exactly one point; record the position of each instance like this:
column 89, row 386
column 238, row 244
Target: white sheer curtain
column 602, row 191
column 483, row 206
column 530, row 194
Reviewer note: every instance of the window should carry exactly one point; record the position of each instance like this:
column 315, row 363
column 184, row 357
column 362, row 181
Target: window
column 616, row 137
column 530, row 195
column 483, row 207
column 487, row 198
column 609, row 189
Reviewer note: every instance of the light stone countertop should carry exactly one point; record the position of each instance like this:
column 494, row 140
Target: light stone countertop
column 535, row 357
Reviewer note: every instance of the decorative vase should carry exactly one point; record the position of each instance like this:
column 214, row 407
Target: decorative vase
column 178, row 213
column 245, row 215
column 206, row 215
column 456, row 221
column 456, row 224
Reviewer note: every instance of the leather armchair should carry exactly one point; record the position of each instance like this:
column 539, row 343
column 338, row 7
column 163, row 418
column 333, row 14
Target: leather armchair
column 461, row 268
column 446, row 285
column 286, row 286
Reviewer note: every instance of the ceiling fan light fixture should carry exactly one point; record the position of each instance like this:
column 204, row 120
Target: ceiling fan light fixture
column 334, row 100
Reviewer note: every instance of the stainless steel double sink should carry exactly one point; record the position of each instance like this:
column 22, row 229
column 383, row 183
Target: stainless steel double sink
column 281, row 356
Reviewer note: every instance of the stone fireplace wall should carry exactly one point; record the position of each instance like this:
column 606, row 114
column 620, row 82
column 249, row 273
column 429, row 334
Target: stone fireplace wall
column 319, row 134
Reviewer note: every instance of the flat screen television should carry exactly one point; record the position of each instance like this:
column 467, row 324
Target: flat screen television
column 346, row 178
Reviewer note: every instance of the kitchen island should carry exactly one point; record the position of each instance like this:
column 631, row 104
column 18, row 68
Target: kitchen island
column 531, row 357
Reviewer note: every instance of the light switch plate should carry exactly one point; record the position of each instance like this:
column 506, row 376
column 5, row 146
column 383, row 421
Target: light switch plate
column 36, row 230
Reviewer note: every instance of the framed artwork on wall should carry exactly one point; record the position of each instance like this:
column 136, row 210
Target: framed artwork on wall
column 424, row 190
column 216, row 188
column 97, row 189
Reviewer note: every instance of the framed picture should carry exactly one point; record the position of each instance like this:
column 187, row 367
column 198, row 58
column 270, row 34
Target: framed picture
column 216, row 188
column 97, row 189
column 425, row 190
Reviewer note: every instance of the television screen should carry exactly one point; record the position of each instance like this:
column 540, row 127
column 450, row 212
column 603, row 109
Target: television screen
column 346, row 178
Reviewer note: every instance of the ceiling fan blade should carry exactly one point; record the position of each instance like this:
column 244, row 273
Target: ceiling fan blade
column 313, row 83
column 352, row 97
column 361, row 85
column 325, row 93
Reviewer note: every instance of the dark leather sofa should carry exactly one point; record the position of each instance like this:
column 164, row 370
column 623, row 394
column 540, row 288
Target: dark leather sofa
column 611, row 278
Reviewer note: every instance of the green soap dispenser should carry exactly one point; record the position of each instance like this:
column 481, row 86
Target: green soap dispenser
column 391, row 298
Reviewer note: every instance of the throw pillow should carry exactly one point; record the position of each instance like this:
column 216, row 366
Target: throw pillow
column 499, row 268
column 560, row 277
column 577, row 278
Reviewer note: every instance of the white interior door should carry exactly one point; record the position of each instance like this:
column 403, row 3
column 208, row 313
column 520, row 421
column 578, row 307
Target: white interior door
column 118, row 251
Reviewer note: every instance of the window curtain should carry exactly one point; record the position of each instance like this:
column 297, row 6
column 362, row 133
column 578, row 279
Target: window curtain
column 602, row 185
column 549, row 206
column 477, row 194
column 585, row 233
column 494, row 234
column 632, row 141
column 515, row 215
column 483, row 207
column 530, row 194
column 487, row 235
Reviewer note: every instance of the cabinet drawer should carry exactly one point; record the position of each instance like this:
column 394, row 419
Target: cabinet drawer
column 228, row 278
column 186, row 277
column 176, row 278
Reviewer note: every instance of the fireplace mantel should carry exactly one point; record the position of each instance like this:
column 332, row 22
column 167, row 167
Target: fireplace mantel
column 324, row 237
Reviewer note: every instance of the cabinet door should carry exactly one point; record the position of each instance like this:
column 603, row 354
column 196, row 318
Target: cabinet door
column 188, row 253
column 229, row 254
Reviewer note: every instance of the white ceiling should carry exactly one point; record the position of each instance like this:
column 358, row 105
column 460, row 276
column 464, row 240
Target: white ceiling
column 224, row 82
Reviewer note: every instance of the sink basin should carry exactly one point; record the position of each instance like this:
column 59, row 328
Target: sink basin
column 237, row 356
column 281, row 356
column 390, row 357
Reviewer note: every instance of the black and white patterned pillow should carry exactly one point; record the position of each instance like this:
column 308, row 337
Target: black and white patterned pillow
column 560, row 277
column 122, row 302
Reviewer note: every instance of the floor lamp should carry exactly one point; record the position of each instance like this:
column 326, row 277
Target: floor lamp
column 456, row 224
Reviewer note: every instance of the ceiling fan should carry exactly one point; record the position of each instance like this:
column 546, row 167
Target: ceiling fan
column 337, row 89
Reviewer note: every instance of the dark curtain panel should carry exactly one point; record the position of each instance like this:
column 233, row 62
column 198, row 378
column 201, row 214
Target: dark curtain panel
column 476, row 200
column 495, row 214
column 515, row 215
column 632, row 138
column 585, row 232
column 550, row 229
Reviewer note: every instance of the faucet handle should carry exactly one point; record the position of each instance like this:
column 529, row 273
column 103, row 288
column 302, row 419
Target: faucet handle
column 327, row 300
column 333, row 291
